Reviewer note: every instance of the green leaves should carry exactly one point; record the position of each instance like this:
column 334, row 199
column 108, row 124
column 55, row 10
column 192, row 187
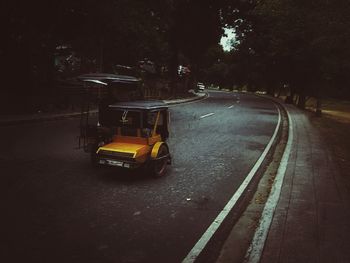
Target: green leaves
column 303, row 43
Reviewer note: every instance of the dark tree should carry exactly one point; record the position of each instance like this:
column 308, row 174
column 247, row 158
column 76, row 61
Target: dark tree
column 300, row 43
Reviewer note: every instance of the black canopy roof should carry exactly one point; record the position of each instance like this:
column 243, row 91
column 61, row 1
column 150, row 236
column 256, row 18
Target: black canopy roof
column 140, row 105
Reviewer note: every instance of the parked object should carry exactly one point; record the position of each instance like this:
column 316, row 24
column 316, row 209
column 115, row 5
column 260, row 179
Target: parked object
column 130, row 134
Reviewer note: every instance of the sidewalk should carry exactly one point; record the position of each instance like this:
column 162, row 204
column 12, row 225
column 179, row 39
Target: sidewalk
column 312, row 218
column 39, row 117
column 36, row 117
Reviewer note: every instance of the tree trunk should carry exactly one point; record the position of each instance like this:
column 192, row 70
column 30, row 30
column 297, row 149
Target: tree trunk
column 270, row 89
column 290, row 97
column 173, row 68
column 318, row 107
column 101, row 55
column 192, row 84
column 301, row 101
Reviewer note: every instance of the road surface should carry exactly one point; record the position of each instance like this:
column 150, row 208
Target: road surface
column 56, row 207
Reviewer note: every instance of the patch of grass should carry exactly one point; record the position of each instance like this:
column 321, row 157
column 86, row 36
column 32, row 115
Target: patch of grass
column 338, row 110
column 334, row 126
column 337, row 136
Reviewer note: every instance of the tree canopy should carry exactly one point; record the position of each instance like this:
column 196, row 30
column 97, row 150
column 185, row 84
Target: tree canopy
column 105, row 33
column 304, row 44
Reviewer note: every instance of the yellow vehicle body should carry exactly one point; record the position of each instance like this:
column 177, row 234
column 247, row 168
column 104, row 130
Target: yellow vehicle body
column 131, row 152
column 128, row 131
column 145, row 147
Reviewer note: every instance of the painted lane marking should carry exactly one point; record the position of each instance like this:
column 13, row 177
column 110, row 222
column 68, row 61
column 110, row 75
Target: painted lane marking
column 231, row 107
column 206, row 115
column 256, row 247
column 208, row 234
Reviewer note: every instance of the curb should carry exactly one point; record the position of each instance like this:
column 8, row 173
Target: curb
column 237, row 200
column 77, row 114
column 41, row 119
column 179, row 101
column 248, row 249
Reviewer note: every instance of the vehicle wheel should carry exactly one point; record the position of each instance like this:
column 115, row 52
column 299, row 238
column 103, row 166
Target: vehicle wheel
column 158, row 167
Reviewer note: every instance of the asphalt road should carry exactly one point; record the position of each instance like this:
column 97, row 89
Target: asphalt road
column 56, row 207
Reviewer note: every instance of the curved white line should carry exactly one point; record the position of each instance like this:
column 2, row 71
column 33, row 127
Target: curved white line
column 203, row 241
column 206, row 115
column 256, row 247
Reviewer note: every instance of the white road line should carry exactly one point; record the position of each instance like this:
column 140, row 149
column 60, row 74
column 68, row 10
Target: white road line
column 256, row 247
column 202, row 242
column 206, row 115
column 231, row 107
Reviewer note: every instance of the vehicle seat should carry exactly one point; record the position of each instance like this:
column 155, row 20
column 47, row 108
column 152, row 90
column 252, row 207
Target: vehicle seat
column 128, row 131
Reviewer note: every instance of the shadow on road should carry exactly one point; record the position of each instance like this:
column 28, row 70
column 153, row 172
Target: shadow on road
column 119, row 175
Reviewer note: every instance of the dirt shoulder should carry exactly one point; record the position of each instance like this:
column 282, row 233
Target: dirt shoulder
column 334, row 126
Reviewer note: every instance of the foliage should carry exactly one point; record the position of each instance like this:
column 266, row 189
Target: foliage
column 301, row 43
column 103, row 34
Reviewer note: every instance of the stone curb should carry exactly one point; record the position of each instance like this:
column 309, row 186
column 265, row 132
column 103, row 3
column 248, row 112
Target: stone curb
column 77, row 114
column 237, row 242
column 38, row 119
column 179, row 101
